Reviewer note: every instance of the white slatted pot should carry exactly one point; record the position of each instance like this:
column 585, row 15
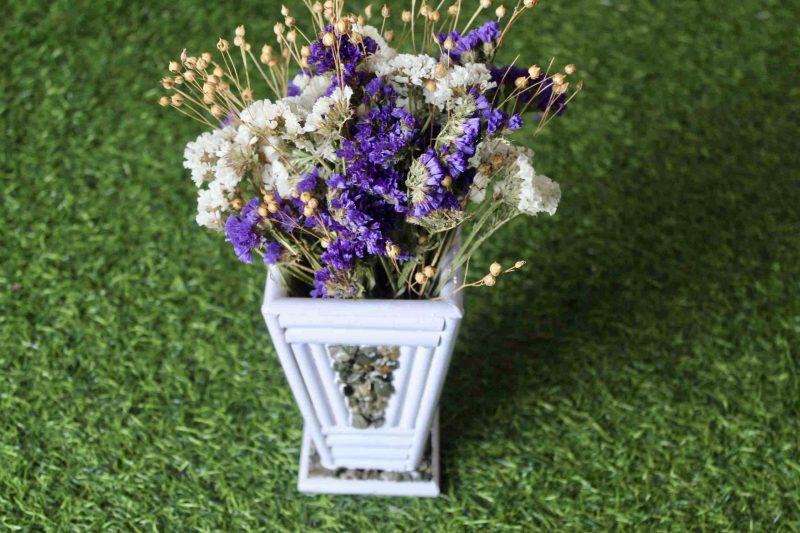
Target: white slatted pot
column 302, row 330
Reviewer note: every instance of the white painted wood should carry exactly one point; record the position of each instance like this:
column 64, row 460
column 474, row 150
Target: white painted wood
column 366, row 337
column 330, row 383
column 332, row 485
column 400, row 381
column 419, row 377
column 303, row 328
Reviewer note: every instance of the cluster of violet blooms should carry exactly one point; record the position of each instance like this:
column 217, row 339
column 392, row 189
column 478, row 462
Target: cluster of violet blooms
column 375, row 165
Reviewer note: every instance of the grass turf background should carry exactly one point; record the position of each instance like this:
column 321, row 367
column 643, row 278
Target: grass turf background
column 642, row 373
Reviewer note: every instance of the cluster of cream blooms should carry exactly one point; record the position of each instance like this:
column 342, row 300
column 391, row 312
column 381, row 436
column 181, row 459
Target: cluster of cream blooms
column 309, row 124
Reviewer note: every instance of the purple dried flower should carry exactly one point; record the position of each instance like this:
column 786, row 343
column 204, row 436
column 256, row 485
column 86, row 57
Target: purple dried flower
column 239, row 231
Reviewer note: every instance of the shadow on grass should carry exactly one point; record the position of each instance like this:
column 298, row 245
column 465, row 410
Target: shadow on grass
column 680, row 229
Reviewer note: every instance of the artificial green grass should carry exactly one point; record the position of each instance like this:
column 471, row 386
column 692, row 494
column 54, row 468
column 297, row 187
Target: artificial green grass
column 640, row 374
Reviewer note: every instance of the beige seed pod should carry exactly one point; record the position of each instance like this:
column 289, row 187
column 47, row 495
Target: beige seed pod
column 290, row 22
column 453, row 10
column 430, row 85
column 177, row 100
column 308, row 211
column 207, row 57
column 305, row 197
column 164, row 101
column 446, row 182
column 485, row 4
column 530, row 4
column 239, row 31
column 178, row 80
column 558, row 78
column 368, row 11
column 435, row 16
column 489, row 280
column 420, row 278
column 429, row 271
column 449, row 44
column 386, row 11
column 209, row 98
column 440, row 71
column 217, row 110
column 405, row 16
column 521, row 82
column 328, row 39
column 388, row 35
column 279, row 28
column 313, row 203
column 202, row 64
column 262, row 210
column 189, row 76
column 238, row 41
column 273, row 207
column 534, row 71
column 570, row 69
column 223, row 45
column 237, row 204
column 500, row 12
column 291, row 36
column 495, row 269
column 519, row 264
column 174, row 66
column 167, row 82
column 317, row 7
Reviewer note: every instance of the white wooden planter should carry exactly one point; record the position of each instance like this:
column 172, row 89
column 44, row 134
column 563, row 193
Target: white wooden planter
column 304, row 329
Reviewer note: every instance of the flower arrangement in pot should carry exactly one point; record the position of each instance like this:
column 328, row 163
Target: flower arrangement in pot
column 365, row 183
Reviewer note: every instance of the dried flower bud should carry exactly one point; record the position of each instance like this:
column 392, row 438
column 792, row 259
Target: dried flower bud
column 392, row 250
column 440, row 71
column 291, row 36
column 558, row 78
column 164, row 101
column 284, row 11
column 190, row 62
column 449, row 44
column 342, row 25
column 453, row 10
column 213, row 80
column 223, row 86
column 495, row 269
column 177, row 100
column 386, row 11
column 313, row 203
column 273, row 61
column 290, row 22
column 579, row 86
column 207, row 57
column 489, row 280
column 435, row 16
column 425, row 10
column 247, row 94
column 239, row 31
column 500, row 11
column 368, row 11
column 328, row 39
column 174, row 66
column 430, row 85
column 178, row 80
column 219, row 72
column 486, row 4
column 405, row 16
column 429, row 271
column 324, row 242
column 189, row 76
column 167, row 82
column 361, row 21
column 278, row 28
column 217, row 110
column 521, row 82
column 519, row 264
column 223, row 45
column 570, row 69
column 485, row 169
column 530, row 4
column 237, row 204
column 305, row 197
column 208, row 98
column 420, row 278
column 202, row 64
column 534, row 71
column 561, row 88
column 446, row 182
column 388, row 35
column 317, row 7
column 262, row 210
column 238, row 41
column 497, row 161
column 309, row 211
column 273, row 207
column 268, row 197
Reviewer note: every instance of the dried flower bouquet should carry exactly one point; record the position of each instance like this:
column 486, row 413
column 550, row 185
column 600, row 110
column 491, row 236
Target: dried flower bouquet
column 359, row 173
